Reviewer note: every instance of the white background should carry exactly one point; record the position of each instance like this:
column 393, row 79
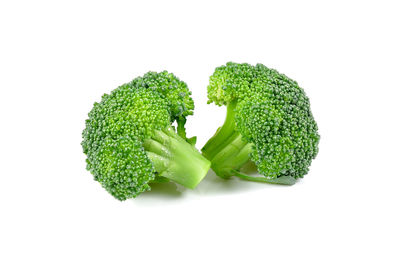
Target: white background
column 58, row 57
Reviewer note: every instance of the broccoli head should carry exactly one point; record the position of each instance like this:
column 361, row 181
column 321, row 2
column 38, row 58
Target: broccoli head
column 130, row 142
column 268, row 125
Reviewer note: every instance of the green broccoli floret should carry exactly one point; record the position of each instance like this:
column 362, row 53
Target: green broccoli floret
column 268, row 126
column 130, row 142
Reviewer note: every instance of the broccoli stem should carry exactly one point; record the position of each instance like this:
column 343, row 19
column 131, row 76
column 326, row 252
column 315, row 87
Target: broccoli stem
column 226, row 149
column 232, row 157
column 176, row 159
column 181, row 121
column 224, row 135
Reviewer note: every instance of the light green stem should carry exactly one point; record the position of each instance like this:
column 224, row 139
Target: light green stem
column 232, row 157
column 176, row 159
column 223, row 136
column 226, row 149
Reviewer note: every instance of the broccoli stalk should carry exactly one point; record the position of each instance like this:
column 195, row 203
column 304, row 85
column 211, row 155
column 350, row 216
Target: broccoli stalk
column 226, row 149
column 176, row 159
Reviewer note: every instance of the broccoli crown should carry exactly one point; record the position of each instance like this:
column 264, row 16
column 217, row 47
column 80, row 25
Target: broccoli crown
column 272, row 113
column 121, row 166
column 175, row 91
column 120, row 123
column 230, row 82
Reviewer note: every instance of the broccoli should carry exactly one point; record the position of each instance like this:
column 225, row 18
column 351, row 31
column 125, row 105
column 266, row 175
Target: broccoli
column 130, row 142
column 269, row 125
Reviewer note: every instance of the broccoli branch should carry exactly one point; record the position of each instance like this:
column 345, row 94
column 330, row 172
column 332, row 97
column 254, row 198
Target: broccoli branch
column 226, row 149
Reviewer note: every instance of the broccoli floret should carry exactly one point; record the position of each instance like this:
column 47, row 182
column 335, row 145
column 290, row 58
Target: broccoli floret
column 130, row 142
column 268, row 124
